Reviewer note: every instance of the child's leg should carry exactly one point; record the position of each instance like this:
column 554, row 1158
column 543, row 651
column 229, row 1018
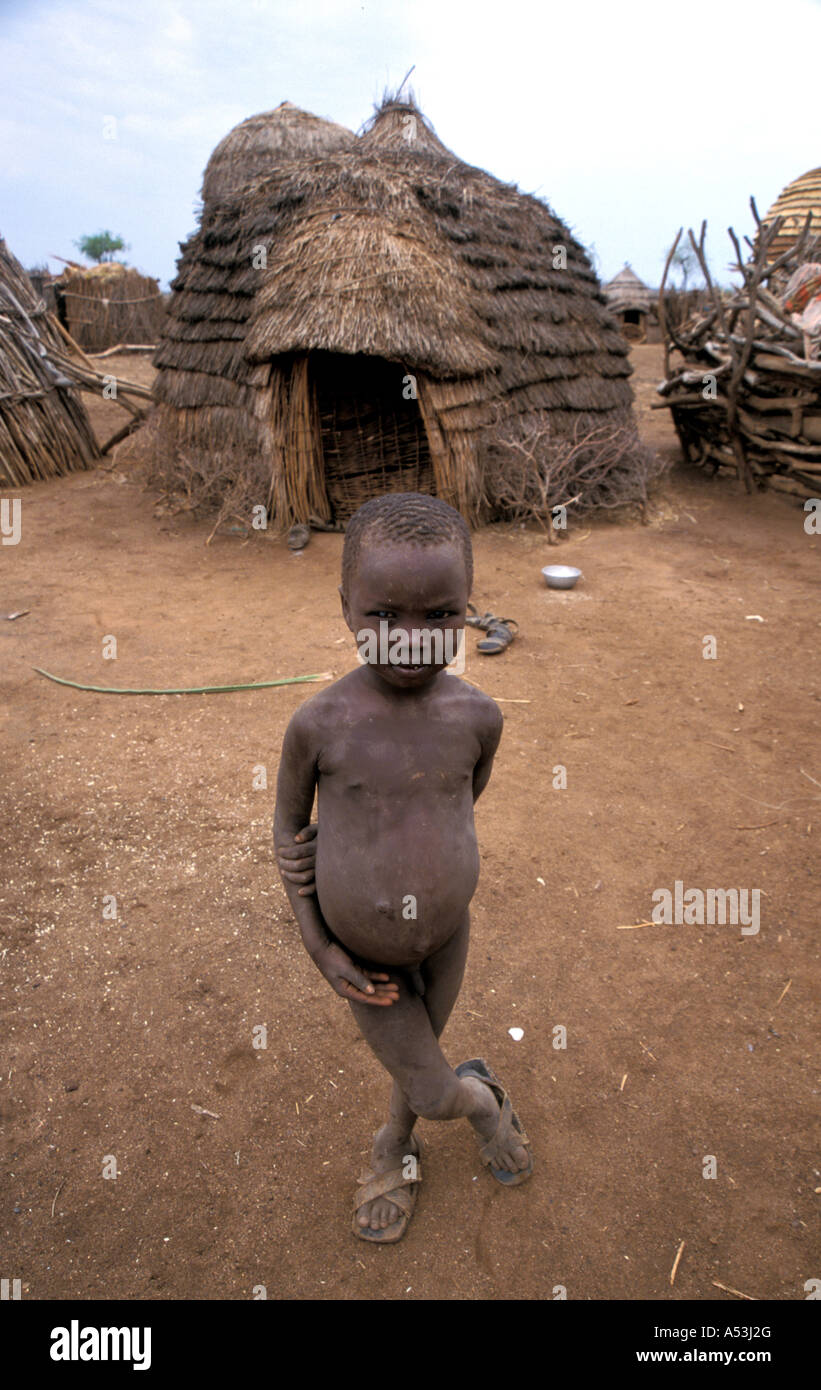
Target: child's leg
column 442, row 975
column 405, row 1039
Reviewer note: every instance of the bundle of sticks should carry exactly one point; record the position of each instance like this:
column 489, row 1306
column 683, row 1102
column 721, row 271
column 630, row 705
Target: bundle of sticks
column 742, row 379
column 44, row 428
column 84, row 374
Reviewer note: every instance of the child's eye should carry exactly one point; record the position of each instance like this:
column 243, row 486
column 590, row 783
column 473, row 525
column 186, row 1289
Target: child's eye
column 380, row 613
column 439, row 614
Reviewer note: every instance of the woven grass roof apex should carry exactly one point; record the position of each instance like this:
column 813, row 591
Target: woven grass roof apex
column 626, row 276
column 399, row 123
column 255, row 147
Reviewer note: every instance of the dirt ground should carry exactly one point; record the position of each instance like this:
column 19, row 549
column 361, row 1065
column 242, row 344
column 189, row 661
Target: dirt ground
column 129, row 1040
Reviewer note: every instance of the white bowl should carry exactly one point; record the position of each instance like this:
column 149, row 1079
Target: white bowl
column 560, row 576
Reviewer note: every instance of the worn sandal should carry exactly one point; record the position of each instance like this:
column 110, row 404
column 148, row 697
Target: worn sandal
column 501, row 631
column 403, row 1193
column 509, row 1123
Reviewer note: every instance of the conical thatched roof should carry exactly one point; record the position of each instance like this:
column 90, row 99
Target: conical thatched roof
column 44, row 428
column 384, row 246
column 627, row 291
column 258, row 145
column 800, row 197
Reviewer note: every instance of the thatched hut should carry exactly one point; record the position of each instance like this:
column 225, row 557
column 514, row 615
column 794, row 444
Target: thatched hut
column 793, row 204
column 364, row 313
column 633, row 305
column 44, row 428
column 107, row 304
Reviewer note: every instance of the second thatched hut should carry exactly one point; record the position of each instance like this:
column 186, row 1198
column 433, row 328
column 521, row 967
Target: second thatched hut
column 358, row 314
column 107, row 304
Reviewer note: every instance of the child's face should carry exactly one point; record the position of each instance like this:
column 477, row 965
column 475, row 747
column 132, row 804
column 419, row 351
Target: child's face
column 406, row 606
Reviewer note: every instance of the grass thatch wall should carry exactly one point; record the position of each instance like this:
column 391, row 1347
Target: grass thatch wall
column 107, row 304
column 44, row 428
column 387, row 247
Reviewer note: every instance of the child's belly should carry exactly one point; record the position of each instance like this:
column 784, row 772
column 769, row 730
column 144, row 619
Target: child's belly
column 393, row 892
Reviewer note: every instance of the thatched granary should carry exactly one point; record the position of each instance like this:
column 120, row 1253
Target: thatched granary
column 632, row 303
column 364, row 313
column 44, row 428
column 107, row 304
column 794, row 203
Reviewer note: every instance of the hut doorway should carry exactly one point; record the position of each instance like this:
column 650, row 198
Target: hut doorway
column 373, row 436
column 633, row 325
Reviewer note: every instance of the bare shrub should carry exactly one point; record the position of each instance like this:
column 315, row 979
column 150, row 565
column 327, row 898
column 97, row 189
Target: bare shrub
column 224, row 483
column 529, row 470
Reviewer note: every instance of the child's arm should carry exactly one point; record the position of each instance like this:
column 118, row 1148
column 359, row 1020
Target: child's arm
column 297, row 862
column 490, row 737
column 295, row 797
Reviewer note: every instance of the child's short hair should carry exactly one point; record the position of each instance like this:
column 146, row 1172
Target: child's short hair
column 405, row 516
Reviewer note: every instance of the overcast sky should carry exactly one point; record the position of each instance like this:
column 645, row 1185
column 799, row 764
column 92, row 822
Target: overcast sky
column 629, row 118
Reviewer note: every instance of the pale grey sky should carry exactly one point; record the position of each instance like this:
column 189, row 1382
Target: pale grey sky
column 629, row 118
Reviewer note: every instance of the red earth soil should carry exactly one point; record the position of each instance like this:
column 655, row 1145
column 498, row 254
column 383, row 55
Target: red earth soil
column 132, row 1038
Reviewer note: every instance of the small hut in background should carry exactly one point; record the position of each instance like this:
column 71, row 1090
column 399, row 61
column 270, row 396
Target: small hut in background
column 44, row 428
column 800, row 199
column 107, row 304
column 359, row 314
column 633, row 305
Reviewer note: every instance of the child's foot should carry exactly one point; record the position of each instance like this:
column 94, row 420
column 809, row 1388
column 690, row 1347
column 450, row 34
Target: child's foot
column 496, row 1122
column 390, row 1152
column 513, row 1157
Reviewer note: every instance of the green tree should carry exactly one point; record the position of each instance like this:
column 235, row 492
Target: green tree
column 101, row 246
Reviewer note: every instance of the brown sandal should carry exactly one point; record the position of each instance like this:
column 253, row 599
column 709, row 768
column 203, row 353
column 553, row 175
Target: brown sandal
column 403, row 1192
column 509, row 1126
column 501, row 631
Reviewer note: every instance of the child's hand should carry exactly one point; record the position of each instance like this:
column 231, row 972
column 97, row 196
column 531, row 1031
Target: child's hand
column 351, row 982
column 297, row 862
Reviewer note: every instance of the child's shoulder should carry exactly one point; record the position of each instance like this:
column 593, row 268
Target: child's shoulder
column 477, row 706
column 317, row 711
